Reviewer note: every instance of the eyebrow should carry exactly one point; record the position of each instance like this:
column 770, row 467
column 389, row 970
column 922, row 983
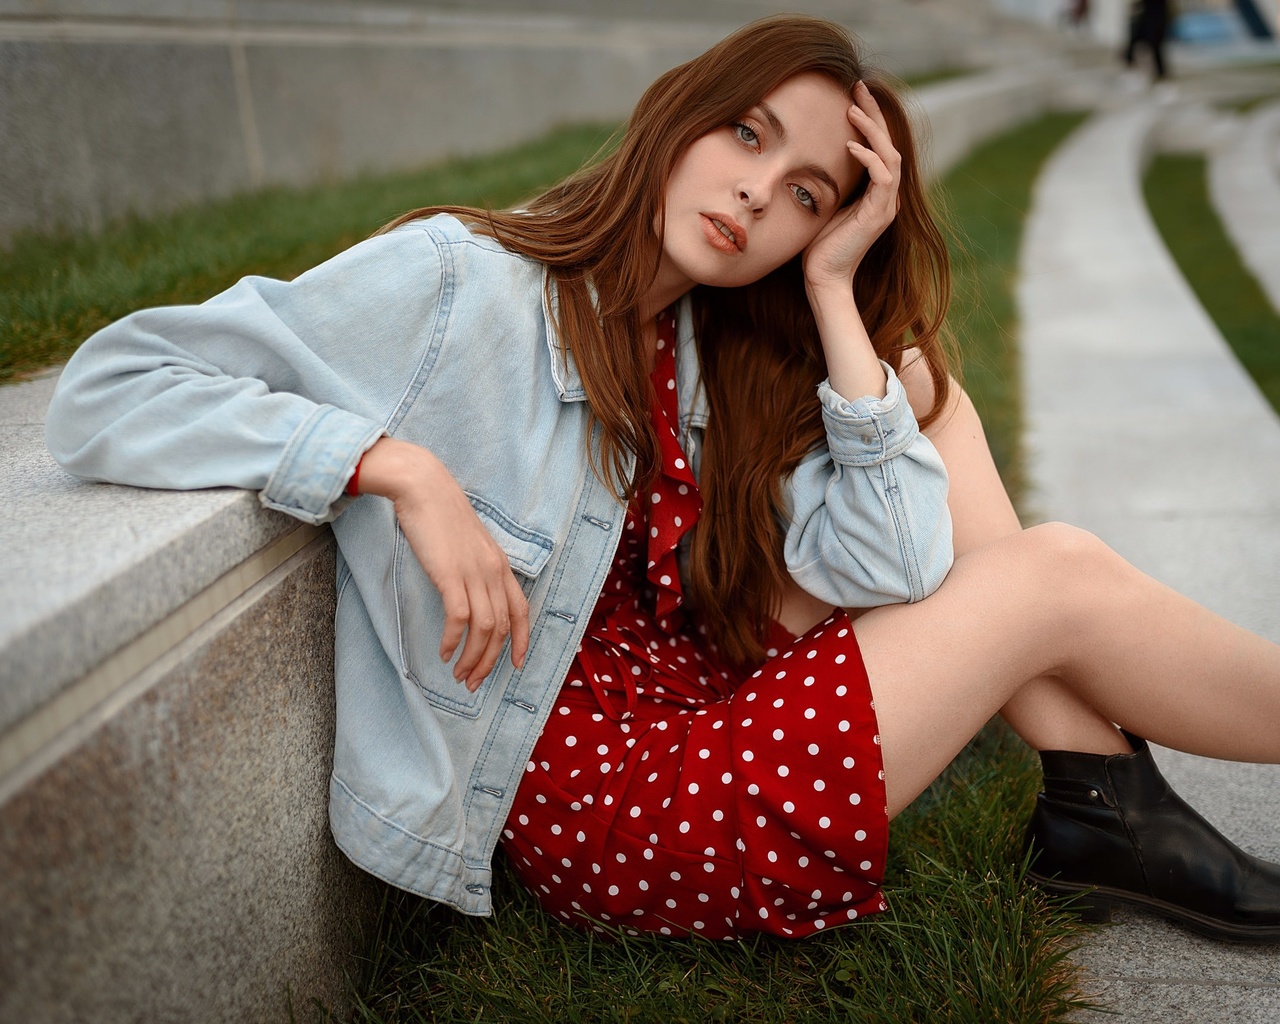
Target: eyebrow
column 780, row 130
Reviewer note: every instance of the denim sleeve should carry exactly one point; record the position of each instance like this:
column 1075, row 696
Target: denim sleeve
column 867, row 519
column 273, row 386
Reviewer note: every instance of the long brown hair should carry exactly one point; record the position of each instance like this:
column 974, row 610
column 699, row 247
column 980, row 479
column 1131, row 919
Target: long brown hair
column 759, row 346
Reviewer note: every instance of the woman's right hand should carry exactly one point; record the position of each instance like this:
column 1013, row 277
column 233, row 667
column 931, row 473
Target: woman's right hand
column 481, row 596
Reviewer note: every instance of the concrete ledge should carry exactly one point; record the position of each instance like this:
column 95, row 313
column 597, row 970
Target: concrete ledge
column 166, row 731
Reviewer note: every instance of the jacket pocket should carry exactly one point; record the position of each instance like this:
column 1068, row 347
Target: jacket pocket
column 420, row 609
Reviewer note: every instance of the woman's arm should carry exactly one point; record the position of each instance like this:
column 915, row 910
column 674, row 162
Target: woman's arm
column 273, row 386
column 867, row 517
column 282, row 387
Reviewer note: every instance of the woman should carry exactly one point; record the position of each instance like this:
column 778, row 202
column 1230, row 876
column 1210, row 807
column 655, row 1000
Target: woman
column 563, row 422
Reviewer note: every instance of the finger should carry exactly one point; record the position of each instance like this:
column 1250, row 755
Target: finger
column 880, row 172
column 498, row 638
column 479, row 629
column 457, row 612
column 519, row 609
column 877, row 136
column 866, row 101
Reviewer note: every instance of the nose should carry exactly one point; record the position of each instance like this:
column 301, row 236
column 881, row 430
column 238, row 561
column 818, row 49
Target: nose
column 754, row 193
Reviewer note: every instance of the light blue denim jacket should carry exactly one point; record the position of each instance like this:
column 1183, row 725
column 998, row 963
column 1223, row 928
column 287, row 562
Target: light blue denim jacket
column 443, row 338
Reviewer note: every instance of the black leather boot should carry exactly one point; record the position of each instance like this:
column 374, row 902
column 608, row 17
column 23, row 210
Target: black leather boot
column 1109, row 827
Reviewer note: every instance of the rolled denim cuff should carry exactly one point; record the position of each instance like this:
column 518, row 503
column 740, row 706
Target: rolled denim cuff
column 867, row 431
column 317, row 463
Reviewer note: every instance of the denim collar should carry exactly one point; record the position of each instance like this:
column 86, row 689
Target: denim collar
column 568, row 381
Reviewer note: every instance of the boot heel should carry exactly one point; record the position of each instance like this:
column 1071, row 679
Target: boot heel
column 1093, row 908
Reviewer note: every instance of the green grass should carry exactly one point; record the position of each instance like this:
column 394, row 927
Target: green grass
column 1177, row 194
column 55, row 291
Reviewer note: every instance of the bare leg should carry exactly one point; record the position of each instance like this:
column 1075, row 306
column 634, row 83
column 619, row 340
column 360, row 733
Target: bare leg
column 1138, row 652
column 1046, row 714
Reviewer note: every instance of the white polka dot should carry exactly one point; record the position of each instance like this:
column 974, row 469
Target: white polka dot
column 843, row 726
column 704, row 753
column 726, row 778
column 819, row 785
column 684, row 826
column 803, row 862
column 665, row 580
column 753, row 789
column 679, row 465
column 788, row 806
column 849, row 762
column 671, row 904
column 778, row 703
column 813, row 748
column 555, row 830
column 773, row 856
column 634, row 812
column 717, row 815
column 613, row 890
column 865, row 865
column 523, row 819
column 748, row 755
column 824, row 822
column 783, row 771
column 693, row 787
column 764, row 912
column 840, row 661
column 761, row 820
column 855, row 799
column 808, row 680
column 655, row 497
column 841, row 691
column 860, row 835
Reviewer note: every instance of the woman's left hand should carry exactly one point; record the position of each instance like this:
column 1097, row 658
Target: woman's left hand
column 833, row 256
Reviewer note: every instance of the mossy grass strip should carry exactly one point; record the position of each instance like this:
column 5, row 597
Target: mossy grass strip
column 1177, row 192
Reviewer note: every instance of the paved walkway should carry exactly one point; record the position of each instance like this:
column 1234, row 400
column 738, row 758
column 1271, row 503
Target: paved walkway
column 1244, row 185
column 1142, row 427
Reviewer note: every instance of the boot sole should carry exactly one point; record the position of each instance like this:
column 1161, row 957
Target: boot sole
column 1094, row 906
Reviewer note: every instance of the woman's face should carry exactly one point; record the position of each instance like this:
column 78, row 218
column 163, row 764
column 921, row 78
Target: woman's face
column 745, row 198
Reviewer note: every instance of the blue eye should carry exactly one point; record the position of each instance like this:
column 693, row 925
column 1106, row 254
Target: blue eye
column 806, row 198
column 745, row 133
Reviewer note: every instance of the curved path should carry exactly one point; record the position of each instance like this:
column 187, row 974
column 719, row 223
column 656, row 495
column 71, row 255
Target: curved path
column 1142, row 427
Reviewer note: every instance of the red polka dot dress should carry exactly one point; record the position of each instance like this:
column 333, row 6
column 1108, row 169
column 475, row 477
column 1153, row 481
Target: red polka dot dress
column 669, row 793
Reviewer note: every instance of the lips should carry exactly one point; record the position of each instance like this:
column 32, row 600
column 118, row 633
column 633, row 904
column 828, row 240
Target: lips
column 724, row 233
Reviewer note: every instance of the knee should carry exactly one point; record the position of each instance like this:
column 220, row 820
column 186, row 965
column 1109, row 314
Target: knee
column 1066, row 555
